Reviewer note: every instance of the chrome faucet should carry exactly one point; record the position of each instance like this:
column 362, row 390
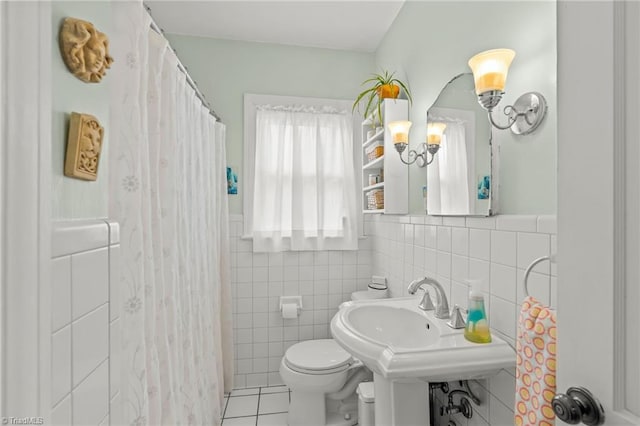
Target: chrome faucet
column 442, row 306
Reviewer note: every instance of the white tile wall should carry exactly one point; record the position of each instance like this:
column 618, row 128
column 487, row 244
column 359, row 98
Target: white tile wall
column 61, row 292
column 323, row 279
column 503, row 247
column 495, row 250
column 114, row 358
column 61, row 413
column 60, row 366
column 85, row 323
column 89, row 281
column 90, row 343
column 524, row 223
column 90, row 400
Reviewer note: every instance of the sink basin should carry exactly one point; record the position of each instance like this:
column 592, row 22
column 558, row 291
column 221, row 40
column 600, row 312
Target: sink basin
column 396, row 339
column 392, row 325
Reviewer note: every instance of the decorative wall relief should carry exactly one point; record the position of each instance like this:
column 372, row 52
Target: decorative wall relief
column 85, row 50
column 83, row 147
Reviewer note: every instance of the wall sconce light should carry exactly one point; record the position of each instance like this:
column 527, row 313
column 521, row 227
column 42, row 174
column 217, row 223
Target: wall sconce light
column 490, row 74
column 400, row 136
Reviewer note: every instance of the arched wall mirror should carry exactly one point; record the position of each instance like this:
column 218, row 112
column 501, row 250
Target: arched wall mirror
column 461, row 180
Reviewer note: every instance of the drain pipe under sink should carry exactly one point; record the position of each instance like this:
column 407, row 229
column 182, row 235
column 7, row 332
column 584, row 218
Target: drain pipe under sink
column 350, row 387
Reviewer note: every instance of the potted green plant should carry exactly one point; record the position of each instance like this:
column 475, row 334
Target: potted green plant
column 382, row 86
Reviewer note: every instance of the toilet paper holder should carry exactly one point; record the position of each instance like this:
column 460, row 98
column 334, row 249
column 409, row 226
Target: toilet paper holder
column 288, row 300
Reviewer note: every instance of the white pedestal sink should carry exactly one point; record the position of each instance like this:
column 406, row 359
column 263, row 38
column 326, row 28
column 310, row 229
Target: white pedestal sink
column 406, row 348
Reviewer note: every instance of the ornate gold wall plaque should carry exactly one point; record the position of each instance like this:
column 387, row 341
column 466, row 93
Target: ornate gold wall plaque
column 83, row 147
column 85, row 50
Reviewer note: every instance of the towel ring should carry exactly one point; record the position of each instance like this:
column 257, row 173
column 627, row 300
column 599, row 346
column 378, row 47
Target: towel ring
column 551, row 258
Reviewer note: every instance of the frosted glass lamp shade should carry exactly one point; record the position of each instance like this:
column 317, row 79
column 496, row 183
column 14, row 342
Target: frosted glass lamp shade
column 399, row 131
column 490, row 69
column 435, row 132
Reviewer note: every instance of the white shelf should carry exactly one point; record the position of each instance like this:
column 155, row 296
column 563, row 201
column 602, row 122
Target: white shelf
column 373, row 138
column 372, row 187
column 370, row 119
column 396, row 174
column 375, row 164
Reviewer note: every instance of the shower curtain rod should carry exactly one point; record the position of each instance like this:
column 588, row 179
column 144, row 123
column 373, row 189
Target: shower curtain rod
column 183, row 69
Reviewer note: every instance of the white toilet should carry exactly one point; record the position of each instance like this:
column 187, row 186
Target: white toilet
column 323, row 378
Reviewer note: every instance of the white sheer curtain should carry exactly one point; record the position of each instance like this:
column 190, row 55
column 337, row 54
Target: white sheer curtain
column 304, row 187
column 168, row 191
column 447, row 177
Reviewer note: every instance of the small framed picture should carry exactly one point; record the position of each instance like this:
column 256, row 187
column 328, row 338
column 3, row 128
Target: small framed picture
column 484, row 187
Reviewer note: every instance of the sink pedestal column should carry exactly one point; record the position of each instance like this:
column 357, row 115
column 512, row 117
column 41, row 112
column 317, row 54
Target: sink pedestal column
column 401, row 402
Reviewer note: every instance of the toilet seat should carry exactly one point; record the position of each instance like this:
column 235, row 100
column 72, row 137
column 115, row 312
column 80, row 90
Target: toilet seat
column 322, row 356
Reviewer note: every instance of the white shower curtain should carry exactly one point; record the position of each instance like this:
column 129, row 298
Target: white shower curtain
column 168, row 191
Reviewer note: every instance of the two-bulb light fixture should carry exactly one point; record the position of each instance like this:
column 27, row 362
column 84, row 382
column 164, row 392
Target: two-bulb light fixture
column 400, row 136
column 490, row 70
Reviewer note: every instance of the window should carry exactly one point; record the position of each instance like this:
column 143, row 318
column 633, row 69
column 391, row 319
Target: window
column 300, row 181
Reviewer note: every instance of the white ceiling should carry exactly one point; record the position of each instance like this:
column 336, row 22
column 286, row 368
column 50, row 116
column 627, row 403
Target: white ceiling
column 356, row 25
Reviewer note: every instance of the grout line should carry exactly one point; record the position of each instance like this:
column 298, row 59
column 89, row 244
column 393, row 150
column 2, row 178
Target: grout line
column 110, row 282
column 238, row 417
column 226, row 404
column 501, row 403
column 84, row 379
column 258, row 407
column 242, row 389
column 97, row 308
column 239, row 396
column 64, row 397
column 71, row 340
column 58, row 256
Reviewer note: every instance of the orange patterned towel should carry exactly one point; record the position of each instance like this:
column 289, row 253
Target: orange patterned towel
column 536, row 364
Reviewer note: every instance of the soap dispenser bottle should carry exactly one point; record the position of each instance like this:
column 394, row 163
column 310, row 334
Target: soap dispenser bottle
column 477, row 328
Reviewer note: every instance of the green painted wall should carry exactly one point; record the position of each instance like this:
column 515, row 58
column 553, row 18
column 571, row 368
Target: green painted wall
column 74, row 198
column 226, row 70
column 430, row 42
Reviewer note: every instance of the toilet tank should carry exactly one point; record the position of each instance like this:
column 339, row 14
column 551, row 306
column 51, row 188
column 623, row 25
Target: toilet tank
column 370, row 293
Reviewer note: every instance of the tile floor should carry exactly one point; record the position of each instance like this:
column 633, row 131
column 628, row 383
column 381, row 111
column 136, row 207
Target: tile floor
column 267, row 406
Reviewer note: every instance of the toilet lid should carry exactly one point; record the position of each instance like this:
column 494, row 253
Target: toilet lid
column 317, row 355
